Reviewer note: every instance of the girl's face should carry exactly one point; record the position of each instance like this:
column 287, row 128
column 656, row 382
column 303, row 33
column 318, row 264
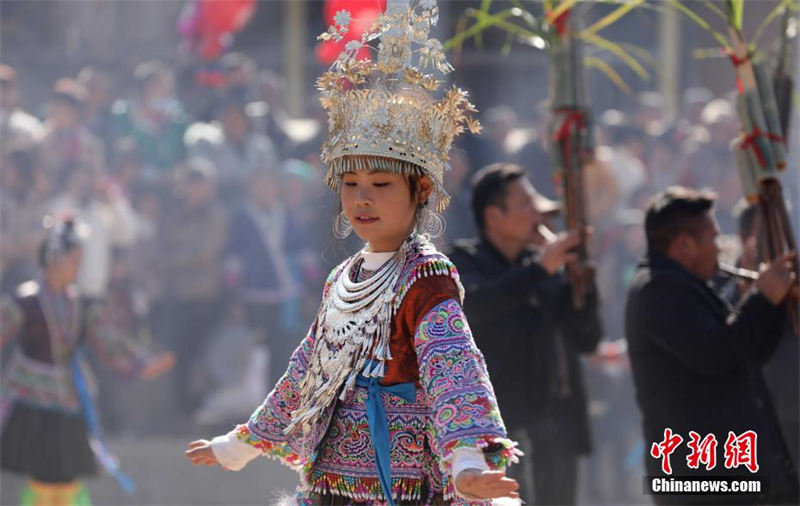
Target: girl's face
column 380, row 208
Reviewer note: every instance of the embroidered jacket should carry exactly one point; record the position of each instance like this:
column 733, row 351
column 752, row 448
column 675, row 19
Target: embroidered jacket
column 38, row 372
column 454, row 408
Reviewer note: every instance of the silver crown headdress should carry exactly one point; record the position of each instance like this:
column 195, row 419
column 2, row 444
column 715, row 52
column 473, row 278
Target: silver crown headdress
column 384, row 114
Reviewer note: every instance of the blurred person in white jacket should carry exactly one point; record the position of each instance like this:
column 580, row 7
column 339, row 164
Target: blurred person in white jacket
column 101, row 205
column 18, row 129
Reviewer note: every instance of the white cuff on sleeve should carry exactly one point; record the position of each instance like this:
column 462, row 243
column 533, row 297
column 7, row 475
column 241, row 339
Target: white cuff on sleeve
column 467, row 458
column 232, row 453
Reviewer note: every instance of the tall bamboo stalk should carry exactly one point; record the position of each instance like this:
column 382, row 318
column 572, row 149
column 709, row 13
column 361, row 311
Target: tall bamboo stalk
column 571, row 143
column 773, row 222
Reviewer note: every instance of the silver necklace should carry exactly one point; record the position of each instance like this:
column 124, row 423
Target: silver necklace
column 351, row 296
column 353, row 331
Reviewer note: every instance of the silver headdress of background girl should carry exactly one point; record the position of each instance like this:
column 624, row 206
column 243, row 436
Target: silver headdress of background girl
column 63, row 234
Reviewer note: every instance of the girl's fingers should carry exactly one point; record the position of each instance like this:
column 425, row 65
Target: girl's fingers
column 204, row 461
column 504, row 486
column 198, row 443
column 201, row 455
column 194, row 452
column 496, row 484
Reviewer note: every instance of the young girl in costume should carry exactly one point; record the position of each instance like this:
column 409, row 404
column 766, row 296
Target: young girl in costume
column 387, row 399
column 50, row 431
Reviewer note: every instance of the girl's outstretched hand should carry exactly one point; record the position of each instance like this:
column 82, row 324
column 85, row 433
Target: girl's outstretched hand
column 486, row 484
column 200, row 453
column 158, row 365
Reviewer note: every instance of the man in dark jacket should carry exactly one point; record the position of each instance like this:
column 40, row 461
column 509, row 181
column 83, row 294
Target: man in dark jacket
column 519, row 307
column 695, row 360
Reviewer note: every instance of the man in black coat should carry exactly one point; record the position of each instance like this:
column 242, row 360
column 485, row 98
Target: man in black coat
column 519, row 308
column 696, row 360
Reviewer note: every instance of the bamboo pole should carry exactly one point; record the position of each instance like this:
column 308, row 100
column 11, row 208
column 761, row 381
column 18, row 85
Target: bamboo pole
column 774, row 222
column 574, row 165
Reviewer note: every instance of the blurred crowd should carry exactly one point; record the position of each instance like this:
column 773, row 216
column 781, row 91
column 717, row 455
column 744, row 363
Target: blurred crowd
column 206, row 215
column 211, row 226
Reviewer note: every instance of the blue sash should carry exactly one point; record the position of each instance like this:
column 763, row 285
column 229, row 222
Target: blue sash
column 379, row 427
column 109, row 462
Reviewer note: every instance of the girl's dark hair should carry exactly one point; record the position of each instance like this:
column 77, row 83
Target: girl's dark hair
column 61, row 238
column 413, row 179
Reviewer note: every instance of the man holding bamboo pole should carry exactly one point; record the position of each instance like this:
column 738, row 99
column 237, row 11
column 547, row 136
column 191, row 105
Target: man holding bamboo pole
column 696, row 361
column 520, row 307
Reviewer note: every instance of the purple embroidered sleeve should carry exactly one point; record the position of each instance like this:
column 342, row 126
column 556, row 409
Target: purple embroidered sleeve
column 265, row 428
column 115, row 343
column 461, row 399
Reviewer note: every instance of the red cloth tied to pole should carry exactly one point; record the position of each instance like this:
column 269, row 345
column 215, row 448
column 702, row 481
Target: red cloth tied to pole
column 775, row 137
column 563, row 135
column 559, row 22
column 750, row 141
column 737, row 62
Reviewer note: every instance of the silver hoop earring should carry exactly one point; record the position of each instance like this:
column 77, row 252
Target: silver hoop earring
column 431, row 222
column 341, row 226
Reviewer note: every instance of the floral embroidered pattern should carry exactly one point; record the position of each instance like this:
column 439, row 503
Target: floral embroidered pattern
column 349, row 335
column 499, row 452
column 40, row 384
column 278, row 450
column 454, row 408
column 453, row 374
column 346, row 461
column 265, row 430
